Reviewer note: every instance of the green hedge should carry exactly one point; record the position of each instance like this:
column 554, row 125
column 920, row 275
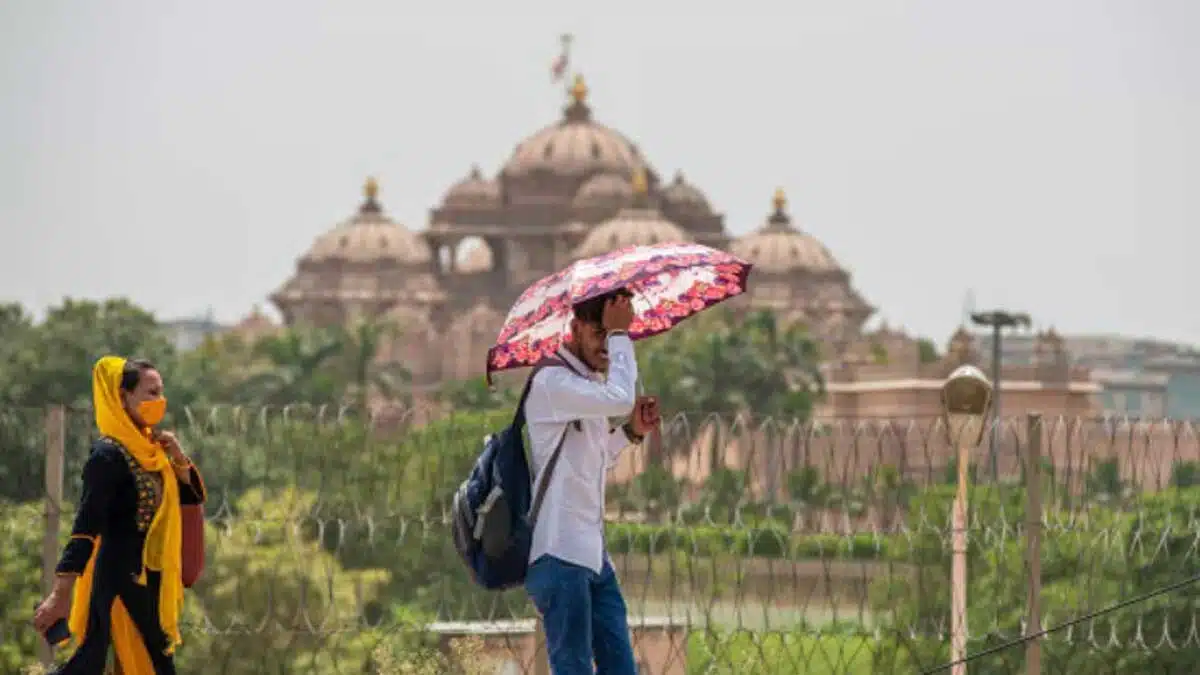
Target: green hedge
column 768, row 541
column 801, row 651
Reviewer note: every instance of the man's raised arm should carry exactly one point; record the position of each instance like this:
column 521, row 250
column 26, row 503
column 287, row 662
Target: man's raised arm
column 558, row 395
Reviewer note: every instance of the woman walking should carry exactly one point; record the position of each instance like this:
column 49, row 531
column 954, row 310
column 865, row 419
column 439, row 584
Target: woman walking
column 120, row 578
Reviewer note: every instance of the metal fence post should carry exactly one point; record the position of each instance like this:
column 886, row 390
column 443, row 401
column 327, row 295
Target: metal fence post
column 55, row 455
column 1033, row 542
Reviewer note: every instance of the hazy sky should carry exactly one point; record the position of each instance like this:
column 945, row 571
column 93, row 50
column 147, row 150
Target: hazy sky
column 1041, row 152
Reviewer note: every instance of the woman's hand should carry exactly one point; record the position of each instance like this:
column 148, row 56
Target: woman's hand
column 56, row 606
column 179, row 461
column 170, row 444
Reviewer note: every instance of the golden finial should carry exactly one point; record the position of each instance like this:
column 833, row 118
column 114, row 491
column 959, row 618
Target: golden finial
column 579, row 90
column 371, row 189
column 638, row 182
column 780, row 199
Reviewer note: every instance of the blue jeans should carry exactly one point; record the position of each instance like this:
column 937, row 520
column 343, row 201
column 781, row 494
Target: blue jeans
column 586, row 620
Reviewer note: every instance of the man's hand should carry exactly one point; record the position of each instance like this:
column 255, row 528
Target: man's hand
column 618, row 314
column 646, row 416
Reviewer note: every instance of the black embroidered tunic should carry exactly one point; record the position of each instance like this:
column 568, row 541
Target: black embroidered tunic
column 117, row 505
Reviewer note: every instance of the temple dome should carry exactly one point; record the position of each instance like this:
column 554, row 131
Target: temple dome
column 576, row 145
column 640, row 225
column 605, row 190
column 684, row 197
column 370, row 236
column 473, row 192
column 778, row 247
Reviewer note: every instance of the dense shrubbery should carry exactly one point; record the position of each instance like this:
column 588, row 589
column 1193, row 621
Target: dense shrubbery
column 762, row 541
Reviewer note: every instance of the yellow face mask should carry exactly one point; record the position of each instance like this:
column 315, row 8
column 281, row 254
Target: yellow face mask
column 152, row 411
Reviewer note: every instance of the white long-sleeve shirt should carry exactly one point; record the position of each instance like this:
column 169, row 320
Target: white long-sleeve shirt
column 570, row 525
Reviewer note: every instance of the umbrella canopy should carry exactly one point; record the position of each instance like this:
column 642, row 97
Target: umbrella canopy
column 670, row 282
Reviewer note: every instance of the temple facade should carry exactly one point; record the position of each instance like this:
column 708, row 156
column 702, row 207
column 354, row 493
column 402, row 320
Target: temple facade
column 578, row 188
column 573, row 189
column 888, row 375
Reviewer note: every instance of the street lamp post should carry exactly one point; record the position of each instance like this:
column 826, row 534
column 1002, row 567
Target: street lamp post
column 966, row 398
column 997, row 320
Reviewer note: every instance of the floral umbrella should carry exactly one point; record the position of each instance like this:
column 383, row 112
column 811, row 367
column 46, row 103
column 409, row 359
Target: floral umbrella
column 670, row 282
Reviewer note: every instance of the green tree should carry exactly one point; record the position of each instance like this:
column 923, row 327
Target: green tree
column 681, row 368
column 54, row 362
column 211, row 374
column 1105, row 556
column 241, row 449
column 360, row 345
column 21, row 528
column 15, row 329
column 657, row 491
column 792, row 380
column 808, row 492
column 1103, row 484
column 382, row 491
column 392, row 512
column 22, row 453
column 927, row 350
column 272, row 601
column 475, row 395
column 886, row 493
column 1185, row 474
column 1160, row 541
column 723, row 493
column 294, row 366
column 726, row 364
column 50, row 363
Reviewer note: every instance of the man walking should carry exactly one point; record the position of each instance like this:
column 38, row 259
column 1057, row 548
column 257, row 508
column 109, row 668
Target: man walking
column 571, row 579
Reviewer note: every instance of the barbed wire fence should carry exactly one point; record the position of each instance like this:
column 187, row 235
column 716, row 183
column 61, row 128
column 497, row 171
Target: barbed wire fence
column 743, row 545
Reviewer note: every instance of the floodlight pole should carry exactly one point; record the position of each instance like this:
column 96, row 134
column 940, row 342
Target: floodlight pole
column 997, row 320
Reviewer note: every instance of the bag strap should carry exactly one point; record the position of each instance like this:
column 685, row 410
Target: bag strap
column 519, row 416
column 543, row 483
column 550, row 362
column 547, row 474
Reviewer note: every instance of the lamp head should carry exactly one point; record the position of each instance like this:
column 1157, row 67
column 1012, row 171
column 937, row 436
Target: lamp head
column 966, row 399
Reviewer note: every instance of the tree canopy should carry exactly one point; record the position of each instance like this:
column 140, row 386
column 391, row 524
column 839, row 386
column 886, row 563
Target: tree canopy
column 725, row 363
column 322, row 526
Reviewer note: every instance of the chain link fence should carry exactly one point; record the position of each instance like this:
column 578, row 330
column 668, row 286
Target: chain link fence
column 743, row 545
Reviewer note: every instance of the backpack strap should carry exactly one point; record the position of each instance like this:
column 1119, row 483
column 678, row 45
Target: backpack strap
column 550, row 362
column 547, row 473
column 519, row 416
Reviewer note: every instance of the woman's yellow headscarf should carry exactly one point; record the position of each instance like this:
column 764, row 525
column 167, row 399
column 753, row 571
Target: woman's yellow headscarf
column 164, row 540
